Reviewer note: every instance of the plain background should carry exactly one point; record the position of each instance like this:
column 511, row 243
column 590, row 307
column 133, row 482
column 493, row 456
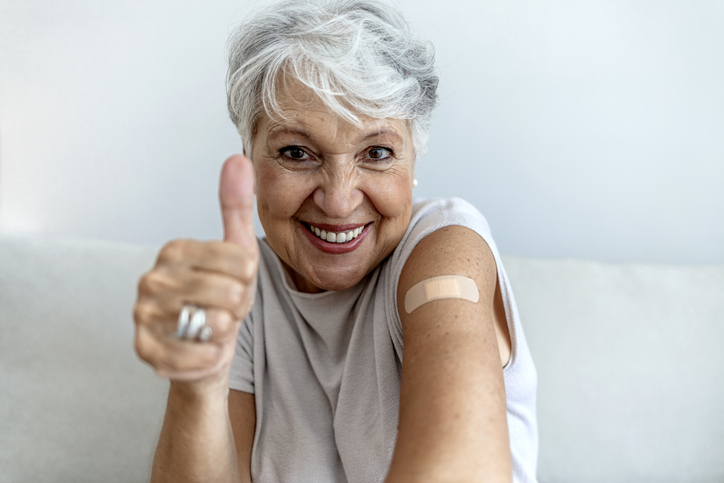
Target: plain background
column 579, row 129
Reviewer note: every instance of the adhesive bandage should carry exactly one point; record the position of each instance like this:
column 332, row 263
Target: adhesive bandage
column 444, row 287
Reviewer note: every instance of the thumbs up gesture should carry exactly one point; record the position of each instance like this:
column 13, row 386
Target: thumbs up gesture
column 236, row 196
column 217, row 277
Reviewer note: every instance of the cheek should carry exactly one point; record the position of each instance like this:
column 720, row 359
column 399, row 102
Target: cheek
column 392, row 197
column 279, row 194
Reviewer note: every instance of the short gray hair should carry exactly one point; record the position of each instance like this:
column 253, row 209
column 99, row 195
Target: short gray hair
column 358, row 56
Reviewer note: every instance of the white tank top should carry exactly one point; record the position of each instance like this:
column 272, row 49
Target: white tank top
column 325, row 368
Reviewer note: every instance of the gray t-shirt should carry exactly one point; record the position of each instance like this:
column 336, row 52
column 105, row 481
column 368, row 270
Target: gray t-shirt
column 325, row 368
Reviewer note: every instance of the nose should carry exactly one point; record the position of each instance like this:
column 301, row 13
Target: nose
column 338, row 193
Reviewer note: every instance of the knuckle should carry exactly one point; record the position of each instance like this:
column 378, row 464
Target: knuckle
column 152, row 282
column 224, row 325
column 250, row 270
column 143, row 287
column 235, row 293
column 245, row 262
column 142, row 347
column 143, row 312
column 172, row 252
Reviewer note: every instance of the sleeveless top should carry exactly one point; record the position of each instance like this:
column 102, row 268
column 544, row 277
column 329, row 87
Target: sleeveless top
column 325, row 368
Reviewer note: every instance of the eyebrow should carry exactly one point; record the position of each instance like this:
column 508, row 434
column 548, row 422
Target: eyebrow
column 274, row 133
column 299, row 132
column 383, row 132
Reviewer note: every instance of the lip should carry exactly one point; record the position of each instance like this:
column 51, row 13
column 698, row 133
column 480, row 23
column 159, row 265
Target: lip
column 336, row 248
column 336, row 228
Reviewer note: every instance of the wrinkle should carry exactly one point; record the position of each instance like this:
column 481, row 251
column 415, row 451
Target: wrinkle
column 335, row 183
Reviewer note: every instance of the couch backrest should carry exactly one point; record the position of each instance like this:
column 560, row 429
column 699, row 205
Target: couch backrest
column 76, row 404
column 630, row 365
column 631, row 380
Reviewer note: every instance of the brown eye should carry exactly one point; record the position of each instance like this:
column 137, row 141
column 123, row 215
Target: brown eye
column 379, row 154
column 293, row 152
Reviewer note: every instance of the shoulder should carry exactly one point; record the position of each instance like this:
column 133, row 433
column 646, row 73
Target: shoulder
column 457, row 242
column 430, row 215
column 450, row 250
column 445, row 234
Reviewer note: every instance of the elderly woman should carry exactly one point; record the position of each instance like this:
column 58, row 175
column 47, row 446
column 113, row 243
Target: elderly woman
column 367, row 337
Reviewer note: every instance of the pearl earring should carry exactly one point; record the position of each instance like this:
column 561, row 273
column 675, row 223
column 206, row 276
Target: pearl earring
column 414, row 183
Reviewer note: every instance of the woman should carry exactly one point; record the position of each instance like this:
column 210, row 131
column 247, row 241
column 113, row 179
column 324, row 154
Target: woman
column 333, row 103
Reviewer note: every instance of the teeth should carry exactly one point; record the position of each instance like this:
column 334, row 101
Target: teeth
column 337, row 237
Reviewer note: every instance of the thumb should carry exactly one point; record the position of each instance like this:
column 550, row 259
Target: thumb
column 236, row 196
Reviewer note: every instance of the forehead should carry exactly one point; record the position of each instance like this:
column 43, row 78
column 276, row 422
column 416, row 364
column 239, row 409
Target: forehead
column 301, row 109
column 291, row 94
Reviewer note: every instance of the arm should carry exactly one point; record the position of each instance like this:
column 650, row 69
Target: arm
column 208, row 430
column 204, row 440
column 242, row 412
column 453, row 424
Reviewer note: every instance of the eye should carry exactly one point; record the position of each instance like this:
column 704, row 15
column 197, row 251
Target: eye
column 294, row 153
column 379, row 153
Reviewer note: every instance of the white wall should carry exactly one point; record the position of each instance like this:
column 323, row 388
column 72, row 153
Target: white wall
column 580, row 129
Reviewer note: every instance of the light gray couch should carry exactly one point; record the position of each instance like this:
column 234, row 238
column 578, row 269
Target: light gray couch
column 631, row 370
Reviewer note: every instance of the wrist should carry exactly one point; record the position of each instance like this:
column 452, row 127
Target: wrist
column 211, row 388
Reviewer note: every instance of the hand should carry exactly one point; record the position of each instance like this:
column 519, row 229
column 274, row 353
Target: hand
column 219, row 276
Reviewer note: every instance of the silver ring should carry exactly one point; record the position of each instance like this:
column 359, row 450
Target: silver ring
column 197, row 322
column 183, row 320
column 205, row 333
column 192, row 324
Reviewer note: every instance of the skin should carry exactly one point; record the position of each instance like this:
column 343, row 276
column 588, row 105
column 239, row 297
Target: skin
column 198, row 440
column 317, row 168
column 452, row 424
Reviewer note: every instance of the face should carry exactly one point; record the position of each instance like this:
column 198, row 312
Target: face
column 319, row 175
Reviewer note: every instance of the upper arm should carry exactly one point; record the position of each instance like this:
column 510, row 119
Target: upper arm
column 242, row 416
column 453, row 422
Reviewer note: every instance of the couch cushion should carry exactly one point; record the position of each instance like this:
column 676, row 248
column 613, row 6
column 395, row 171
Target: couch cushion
column 631, row 372
column 76, row 404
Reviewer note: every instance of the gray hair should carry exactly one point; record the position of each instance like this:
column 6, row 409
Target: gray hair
column 358, row 56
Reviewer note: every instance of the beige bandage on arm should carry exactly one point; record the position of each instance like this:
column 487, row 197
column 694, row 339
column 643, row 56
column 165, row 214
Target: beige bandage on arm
column 444, row 287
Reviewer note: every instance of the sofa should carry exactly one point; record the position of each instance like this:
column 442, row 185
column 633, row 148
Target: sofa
column 629, row 356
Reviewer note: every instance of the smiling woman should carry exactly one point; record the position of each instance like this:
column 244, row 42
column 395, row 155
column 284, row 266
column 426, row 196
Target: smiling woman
column 290, row 357
column 316, row 169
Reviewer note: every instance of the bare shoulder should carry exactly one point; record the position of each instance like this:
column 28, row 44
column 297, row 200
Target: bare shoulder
column 458, row 250
column 450, row 247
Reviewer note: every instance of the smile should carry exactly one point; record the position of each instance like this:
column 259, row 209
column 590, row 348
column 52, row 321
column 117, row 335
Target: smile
column 346, row 240
column 333, row 237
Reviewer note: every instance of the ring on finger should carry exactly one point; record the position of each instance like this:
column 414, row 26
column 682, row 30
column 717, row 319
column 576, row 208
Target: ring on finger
column 197, row 322
column 183, row 320
column 192, row 324
column 205, row 333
